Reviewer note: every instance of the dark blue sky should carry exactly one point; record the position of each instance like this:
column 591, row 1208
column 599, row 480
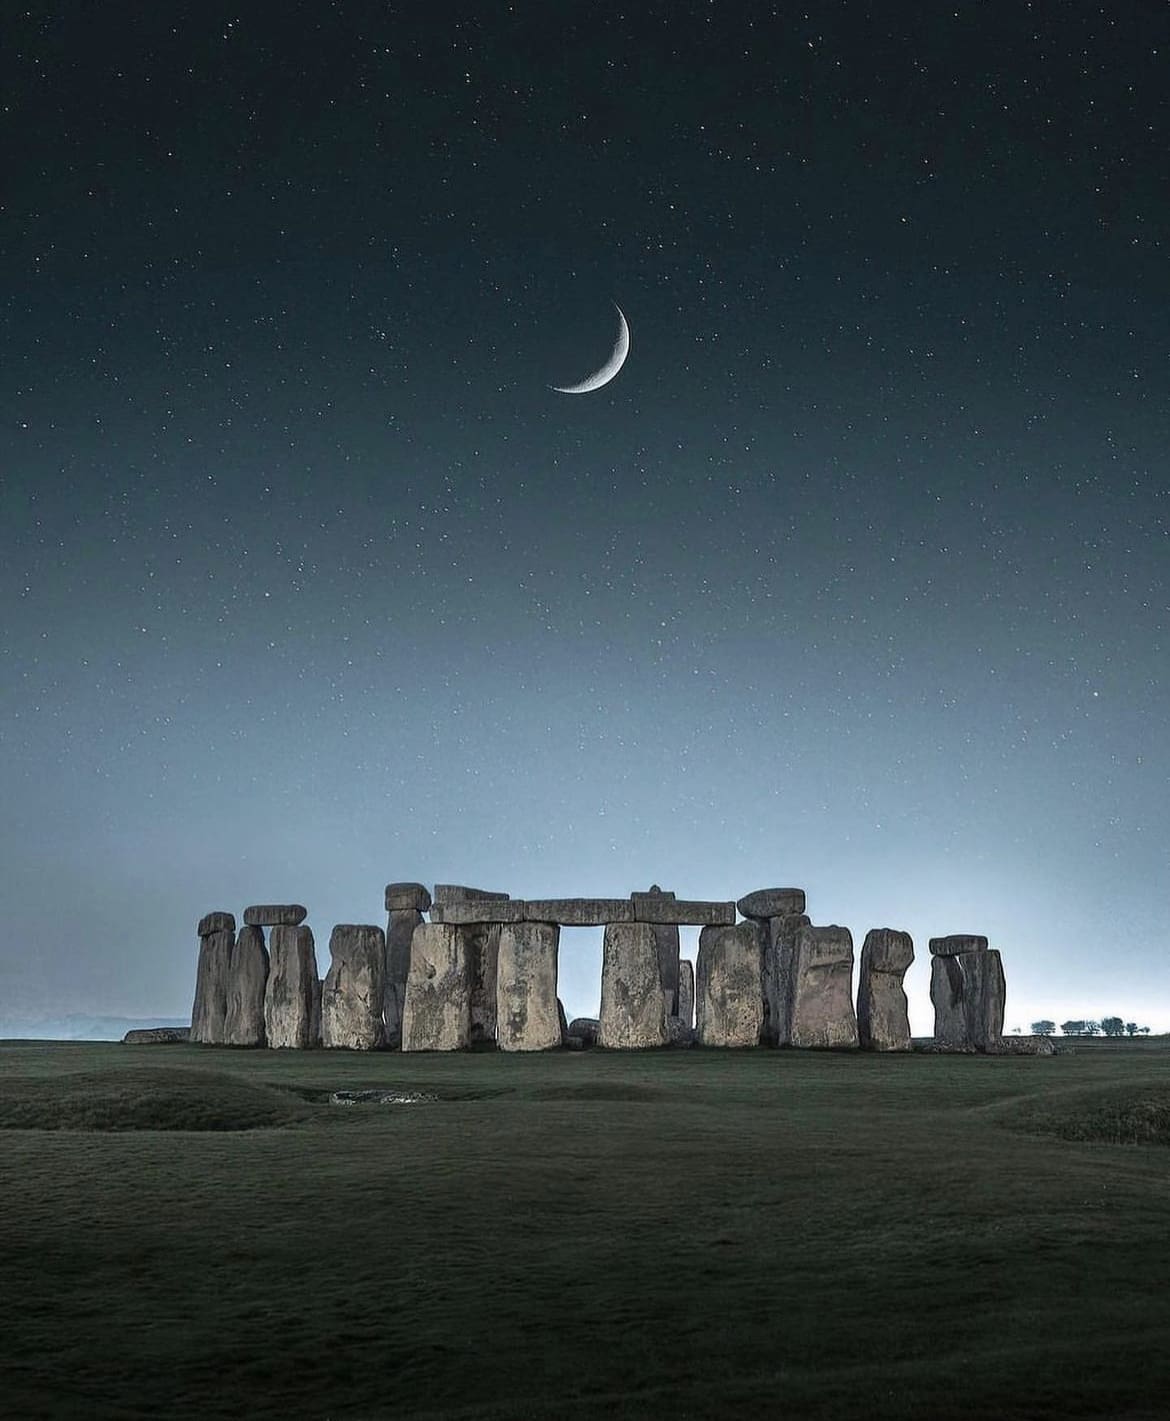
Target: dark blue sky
column 856, row 578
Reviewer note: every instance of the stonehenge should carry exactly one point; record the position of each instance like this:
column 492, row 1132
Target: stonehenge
column 729, row 994
column 460, row 967
column 353, row 993
column 967, row 991
column 883, row 1019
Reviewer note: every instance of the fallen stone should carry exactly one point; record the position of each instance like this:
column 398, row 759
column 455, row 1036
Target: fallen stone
column 574, row 1043
column 1023, row 1046
column 353, row 993
column 526, row 979
column 658, row 908
column 437, row 1011
column 680, row 1033
column 767, row 903
column 381, row 1097
column 822, row 988
column 586, row 1029
column 217, row 922
column 968, row 993
column 157, row 1036
column 275, row 915
column 292, row 999
column 404, row 897
column 957, row 943
column 400, row 926
column 883, row 1019
column 482, row 948
column 247, row 982
column 633, row 1014
column 779, row 977
column 729, row 990
column 686, row 992
column 209, row 1010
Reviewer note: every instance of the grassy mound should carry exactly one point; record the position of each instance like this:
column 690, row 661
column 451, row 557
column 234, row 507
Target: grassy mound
column 1137, row 1114
column 143, row 1100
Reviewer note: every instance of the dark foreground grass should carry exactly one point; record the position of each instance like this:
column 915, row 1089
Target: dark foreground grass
column 685, row 1235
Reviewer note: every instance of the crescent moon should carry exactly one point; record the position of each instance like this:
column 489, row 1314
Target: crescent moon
column 611, row 367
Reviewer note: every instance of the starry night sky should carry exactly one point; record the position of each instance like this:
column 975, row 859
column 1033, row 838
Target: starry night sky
column 856, row 577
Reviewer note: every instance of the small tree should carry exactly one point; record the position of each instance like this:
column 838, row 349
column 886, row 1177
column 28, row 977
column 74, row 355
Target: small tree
column 1112, row 1026
column 1073, row 1028
column 1130, row 1027
column 1144, row 1030
column 1043, row 1028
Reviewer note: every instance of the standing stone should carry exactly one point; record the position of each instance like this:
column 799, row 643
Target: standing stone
column 633, row 1013
column 529, row 1019
column 586, row 1029
column 212, row 974
column 246, row 986
column 822, row 988
column 779, row 976
column 562, row 1020
column 353, row 993
column 686, row 992
column 968, row 992
column 400, row 928
column 292, row 999
column 437, row 1011
column 483, row 951
column 666, row 942
column 729, row 990
column 883, row 1019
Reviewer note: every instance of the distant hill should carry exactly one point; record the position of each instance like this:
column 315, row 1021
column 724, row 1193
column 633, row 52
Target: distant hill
column 80, row 1028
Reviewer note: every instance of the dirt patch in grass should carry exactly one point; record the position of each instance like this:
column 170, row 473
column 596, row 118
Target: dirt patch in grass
column 1116, row 1115
column 144, row 1100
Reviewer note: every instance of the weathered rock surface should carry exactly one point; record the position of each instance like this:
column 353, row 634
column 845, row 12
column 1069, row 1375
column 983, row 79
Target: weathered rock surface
column 528, row 1017
column 209, row 1010
column 586, row 1029
column 247, row 983
column 779, row 977
column 968, row 992
column 767, row 903
column 405, row 897
column 883, row 1018
column 822, row 988
column 157, row 1036
column 437, row 1011
column 957, row 943
column 275, row 915
column 686, row 992
column 633, row 1014
column 578, row 912
column 681, row 1033
column 217, row 922
column 482, row 947
column 353, row 993
column 480, row 910
column 562, row 1020
column 729, row 990
column 292, row 999
column 400, row 926
column 447, row 894
column 658, row 908
column 1023, row 1046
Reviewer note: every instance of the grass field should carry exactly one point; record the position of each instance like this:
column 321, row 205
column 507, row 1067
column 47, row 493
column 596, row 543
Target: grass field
column 192, row 1232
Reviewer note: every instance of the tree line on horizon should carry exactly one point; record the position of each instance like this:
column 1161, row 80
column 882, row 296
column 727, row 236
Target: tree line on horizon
column 1107, row 1026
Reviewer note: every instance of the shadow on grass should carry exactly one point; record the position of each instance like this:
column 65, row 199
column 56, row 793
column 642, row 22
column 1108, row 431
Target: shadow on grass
column 1129, row 1114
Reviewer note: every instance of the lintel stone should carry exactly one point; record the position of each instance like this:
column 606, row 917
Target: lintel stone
column 407, row 897
column 579, row 912
column 653, row 908
column 275, row 915
column 957, row 943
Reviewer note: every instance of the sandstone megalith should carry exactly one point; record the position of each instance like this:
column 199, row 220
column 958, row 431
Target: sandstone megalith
column 217, row 935
column 822, row 988
column 247, row 983
column 686, row 992
column 437, row 1011
column 352, row 995
column 400, row 926
column 729, row 992
column 767, row 903
column 292, row 999
column 779, row 976
column 633, row 1012
column 883, row 1019
column 482, row 945
column 275, row 915
column 526, row 996
column 968, row 992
